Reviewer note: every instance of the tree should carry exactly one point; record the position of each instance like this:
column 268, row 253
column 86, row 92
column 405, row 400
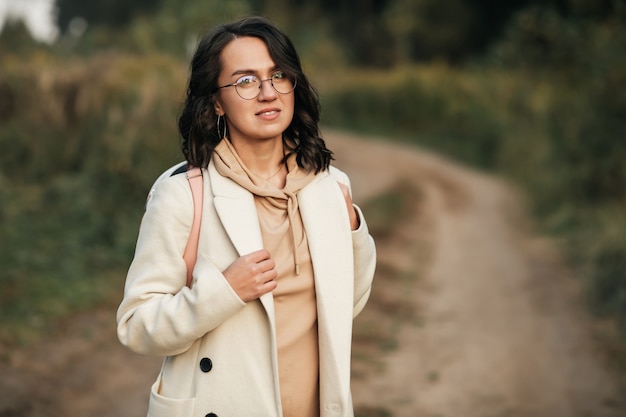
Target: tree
column 15, row 38
column 114, row 13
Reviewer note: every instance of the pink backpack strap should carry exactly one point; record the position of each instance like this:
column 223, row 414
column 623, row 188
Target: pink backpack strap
column 194, row 176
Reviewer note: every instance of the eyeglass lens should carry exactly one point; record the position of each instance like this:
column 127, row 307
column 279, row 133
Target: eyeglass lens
column 249, row 87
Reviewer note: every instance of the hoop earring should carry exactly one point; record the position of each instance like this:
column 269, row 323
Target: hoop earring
column 219, row 116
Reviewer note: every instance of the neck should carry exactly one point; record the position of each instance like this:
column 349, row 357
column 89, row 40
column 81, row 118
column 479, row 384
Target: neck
column 264, row 157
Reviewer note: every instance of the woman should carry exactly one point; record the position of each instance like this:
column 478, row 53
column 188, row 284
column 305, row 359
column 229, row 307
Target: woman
column 284, row 260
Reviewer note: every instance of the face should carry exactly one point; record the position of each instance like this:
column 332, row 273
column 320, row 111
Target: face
column 262, row 118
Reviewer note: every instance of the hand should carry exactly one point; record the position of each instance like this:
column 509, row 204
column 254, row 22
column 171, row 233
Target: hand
column 252, row 275
column 354, row 218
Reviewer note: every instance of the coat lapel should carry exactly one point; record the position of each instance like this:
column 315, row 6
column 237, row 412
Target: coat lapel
column 326, row 222
column 327, row 226
column 237, row 212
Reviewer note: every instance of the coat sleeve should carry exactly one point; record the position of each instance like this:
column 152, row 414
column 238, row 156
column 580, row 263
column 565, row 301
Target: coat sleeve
column 159, row 315
column 364, row 252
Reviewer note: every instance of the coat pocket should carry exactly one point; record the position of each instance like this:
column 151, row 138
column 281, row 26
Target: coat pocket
column 162, row 406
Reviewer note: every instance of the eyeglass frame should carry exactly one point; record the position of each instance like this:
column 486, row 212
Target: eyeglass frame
column 294, row 80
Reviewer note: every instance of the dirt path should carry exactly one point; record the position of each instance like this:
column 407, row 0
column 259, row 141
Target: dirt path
column 471, row 314
column 499, row 330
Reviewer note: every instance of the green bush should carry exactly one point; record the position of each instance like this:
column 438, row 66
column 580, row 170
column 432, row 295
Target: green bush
column 79, row 150
column 429, row 105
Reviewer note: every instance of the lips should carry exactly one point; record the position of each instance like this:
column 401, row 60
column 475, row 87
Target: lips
column 268, row 112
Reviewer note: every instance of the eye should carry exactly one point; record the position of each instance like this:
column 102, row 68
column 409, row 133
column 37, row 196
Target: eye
column 246, row 81
column 278, row 75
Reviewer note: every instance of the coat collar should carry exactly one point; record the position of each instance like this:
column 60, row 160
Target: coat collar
column 237, row 211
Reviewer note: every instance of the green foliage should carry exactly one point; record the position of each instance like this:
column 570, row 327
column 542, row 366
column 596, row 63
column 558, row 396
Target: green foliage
column 597, row 246
column 16, row 39
column 103, row 12
column 79, row 150
column 423, row 30
column 431, row 104
column 380, row 34
column 583, row 118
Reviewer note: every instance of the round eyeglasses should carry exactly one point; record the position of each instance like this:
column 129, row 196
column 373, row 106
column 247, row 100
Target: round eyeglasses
column 248, row 87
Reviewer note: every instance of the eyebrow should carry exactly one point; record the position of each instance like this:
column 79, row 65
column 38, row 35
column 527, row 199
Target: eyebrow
column 251, row 71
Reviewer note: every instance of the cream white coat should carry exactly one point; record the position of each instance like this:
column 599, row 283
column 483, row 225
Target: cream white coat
column 209, row 323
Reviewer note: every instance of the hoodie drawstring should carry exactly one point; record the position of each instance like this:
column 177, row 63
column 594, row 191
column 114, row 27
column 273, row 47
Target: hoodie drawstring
column 292, row 209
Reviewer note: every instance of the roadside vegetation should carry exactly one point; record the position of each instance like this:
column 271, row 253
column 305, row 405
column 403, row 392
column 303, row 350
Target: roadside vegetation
column 87, row 123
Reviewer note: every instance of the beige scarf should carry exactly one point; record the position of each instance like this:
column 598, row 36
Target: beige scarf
column 230, row 165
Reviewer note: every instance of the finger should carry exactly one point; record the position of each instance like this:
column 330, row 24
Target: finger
column 257, row 256
column 268, row 286
column 266, row 265
column 270, row 275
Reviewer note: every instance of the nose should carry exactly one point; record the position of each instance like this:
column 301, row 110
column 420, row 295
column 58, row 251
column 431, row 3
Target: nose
column 267, row 89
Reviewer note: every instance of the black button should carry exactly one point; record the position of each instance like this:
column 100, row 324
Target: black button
column 205, row 366
column 211, row 415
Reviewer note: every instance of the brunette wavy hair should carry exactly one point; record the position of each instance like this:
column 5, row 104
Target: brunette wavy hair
column 197, row 122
